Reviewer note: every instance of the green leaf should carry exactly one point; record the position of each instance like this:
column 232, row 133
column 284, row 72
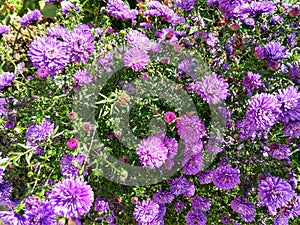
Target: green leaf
column 49, row 10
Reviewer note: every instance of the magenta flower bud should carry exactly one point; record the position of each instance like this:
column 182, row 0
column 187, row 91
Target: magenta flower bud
column 134, row 200
column 72, row 143
column 169, row 117
column 72, row 115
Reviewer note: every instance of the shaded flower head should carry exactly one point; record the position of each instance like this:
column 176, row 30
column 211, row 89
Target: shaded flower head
column 82, row 77
column 146, row 211
column 136, row 58
column 163, row 197
column 185, row 5
column 252, row 81
column 179, row 185
column 292, row 129
column 244, row 208
column 195, row 217
column 169, row 117
column 102, row 206
column 119, row 10
column 202, row 204
column 4, row 30
column 226, row 177
column 6, row 79
column 30, row 17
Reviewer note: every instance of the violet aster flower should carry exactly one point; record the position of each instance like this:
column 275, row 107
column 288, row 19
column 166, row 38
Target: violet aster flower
column 193, row 165
column 205, row 177
column 252, row 81
column 190, row 191
column 140, row 40
column 5, row 191
column 152, row 152
column 82, row 77
column 4, row 30
column 3, row 105
column 280, row 152
column 292, row 210
column 202, row 204
column 56, row 32
column 80, row 43
column 187, row 66
column 256, row 8
column 32, row 203
column 30, row 17
column 42, row 214
column 172, row 146
column 12, row 218
column 67, row 167
column 71, row 198
column 146, row 211
column 244, row 208
column 260, row 52
column 281, row 219
column 67, row 6
column 274, row 193
column 102, row 206
column 226, row 177
column 213, row 89
column 42, row 73
column 179, row 185
column 246, row 128
column 294, row 72
column 72, row 143
column 136, row 58
column 119, row 10
column 228, row 7
column 190, row 128
column 185, row 5
column 48, row 53
column 195, row 217
column 163, row 197
column 263, row 111
column 5, row 79
column 274, row 51
column 289, row 98
column 169, row 117
column 292, row 129
column 178, row 206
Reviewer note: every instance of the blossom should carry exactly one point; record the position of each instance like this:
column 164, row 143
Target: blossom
column 41, row 214
column 260, row 52
column 252, row 81
column 102, row 206
column 244, row 208
column 56, row 32
column 80, row 43
column 213, row 89
column 42, row 73
column 193, row 165
column 187, row 66
column 274, row 51
column 292, row 210
column 185, row 5
column 163, row 197
column 140, row 40
column 281, row 219
column 228, row 7
column 67, row 6
column 190, row 191
column 169, row 117
column 280, row 152
column 146, row 211
column 274, row 192
column 12, row 218
column 226, row 177
column 190, row 128
column 254, row 8
column 289, row 98
column 292, row 129
column 72, row 143
column 152, row 152
column 136, row 58
column 195, row 217
column 179, row 185
column 4, row 30
column 263, row 111
column 82, row 77
column 200, row 203
column 119, row 10
column 49, row 53
column 71, row 198
column 6, row 79
column 205, row 177
column 30, row 17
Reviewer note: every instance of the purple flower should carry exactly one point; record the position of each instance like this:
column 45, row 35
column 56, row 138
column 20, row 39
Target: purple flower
column 193, row 165
column 48, row 53
column 32, row 203
column 190, row 128
column 256, row 8
column 252, row 81
column 119, row 10
column 226, row 177
column 5, row 191
column 246, row 128
column 163, row 197
column 67, row 167
column 225, row 220
column 102, row 206
column 71, row 198
column 202, row 204
column 172, row 146
column 292, row 129
column 82, row 77
column 274, row 51
column 140, row 40
column 179, row 185
column 146, row 211
column 4, row 30
column 30, row 17
column 152, row 152
column 213, row 89
column 195, row 217
column 178, row 206
column 289, row 98
column 260, row 52
column 56, row 32
column 187, row 66
column 205, row 177
column 80, row 42
column 67, row 6
column 5, row 79
column 136, row 58
column 12, row 218
column 72, row 143
column 228, row 7
column 263, row 111
column 42, row 73
column 280, row 152
column 294, row 72
column 185, row 5
column 281, row 219
column 169, row 117
column 292, row 210
column 41, row 214
column 274, row 192
column 190, row 191
column 244, row 208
